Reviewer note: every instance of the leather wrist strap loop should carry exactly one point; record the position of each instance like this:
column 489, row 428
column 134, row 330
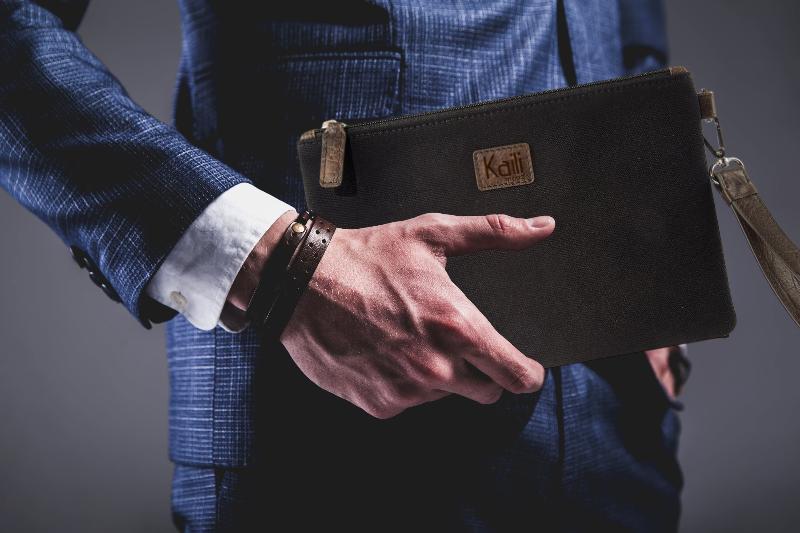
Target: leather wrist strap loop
column 274, row 270
column 775, row 252
column 777, row 255
column 300, row 271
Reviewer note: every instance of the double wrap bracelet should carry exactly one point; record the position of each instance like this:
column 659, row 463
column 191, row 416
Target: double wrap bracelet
column 287, row 273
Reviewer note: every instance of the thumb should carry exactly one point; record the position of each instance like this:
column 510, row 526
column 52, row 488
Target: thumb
column 456, row 235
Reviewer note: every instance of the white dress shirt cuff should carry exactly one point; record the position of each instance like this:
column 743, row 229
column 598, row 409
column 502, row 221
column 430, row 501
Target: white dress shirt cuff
column 198, row 273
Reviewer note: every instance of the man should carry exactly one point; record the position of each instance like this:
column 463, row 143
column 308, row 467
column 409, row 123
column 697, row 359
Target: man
column 390, row 402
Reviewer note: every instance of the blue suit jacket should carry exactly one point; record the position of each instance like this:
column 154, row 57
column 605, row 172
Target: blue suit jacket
column 120, row 187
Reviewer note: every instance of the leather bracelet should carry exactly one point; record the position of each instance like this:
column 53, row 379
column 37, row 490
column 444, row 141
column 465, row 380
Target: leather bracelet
column 301, row 269
column 274, row 271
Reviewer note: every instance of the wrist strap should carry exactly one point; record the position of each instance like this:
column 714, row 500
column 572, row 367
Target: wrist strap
column 299, row 273
column 777, row 255
column 275, row 268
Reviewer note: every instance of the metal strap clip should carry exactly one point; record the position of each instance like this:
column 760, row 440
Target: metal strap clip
column 708, row 112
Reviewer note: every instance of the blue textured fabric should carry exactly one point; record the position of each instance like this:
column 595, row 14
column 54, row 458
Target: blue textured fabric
column 591, row 457
column 76, row 151
column 121, row 186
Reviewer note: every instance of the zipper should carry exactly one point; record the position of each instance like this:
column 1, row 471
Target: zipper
column 331, row 165
column 334, row 132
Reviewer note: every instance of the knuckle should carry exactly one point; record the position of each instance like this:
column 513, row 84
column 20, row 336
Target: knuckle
column 429, row 218
column 462, row 320
column 429, row 223
column 401, row 394
column 490, row 395
column 433, row 370
column 447, row 326
column 379, row 413
column 429, row 228
column 442, row 372
column 383, row 402
column 502, row 223
column 404, row 394
column 456, row 320
column 371, row 410
column 382, row 412
column 525, row 380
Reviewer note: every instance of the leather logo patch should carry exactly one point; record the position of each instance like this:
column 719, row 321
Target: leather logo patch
column 503, row 166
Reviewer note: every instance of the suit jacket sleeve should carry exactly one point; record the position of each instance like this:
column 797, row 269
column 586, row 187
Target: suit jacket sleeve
column 112, row 181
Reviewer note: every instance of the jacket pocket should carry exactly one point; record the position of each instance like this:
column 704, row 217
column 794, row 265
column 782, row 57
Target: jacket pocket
column 345, row 85
column 291, row 93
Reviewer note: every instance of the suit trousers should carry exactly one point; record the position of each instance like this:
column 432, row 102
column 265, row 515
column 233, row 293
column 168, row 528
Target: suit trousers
column 593, row 450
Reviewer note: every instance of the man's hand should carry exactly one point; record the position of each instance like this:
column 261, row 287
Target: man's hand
column 659, row 361
column 382, row 326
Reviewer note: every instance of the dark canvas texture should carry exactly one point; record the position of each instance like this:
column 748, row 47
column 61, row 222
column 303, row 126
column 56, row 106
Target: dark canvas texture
column 635, row 261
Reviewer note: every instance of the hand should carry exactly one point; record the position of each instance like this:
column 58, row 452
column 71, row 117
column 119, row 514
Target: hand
column 382, row 325
column 659, row 360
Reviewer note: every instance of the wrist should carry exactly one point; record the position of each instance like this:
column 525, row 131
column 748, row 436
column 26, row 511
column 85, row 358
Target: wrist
column 248, row 277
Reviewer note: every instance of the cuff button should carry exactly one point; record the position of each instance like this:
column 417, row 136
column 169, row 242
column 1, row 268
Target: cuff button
column 84, row 261
column 179, row 300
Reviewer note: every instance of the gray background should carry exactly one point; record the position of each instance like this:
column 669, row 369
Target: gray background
column 83, row 387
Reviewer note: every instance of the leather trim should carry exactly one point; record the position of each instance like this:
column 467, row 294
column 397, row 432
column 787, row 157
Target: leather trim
column 775, row 252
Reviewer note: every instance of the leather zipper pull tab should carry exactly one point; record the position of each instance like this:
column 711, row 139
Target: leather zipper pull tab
column 708, row 105
column 331, row 167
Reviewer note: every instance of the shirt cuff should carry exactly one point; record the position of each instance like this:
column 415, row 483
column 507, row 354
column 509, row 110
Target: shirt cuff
column 199, row 271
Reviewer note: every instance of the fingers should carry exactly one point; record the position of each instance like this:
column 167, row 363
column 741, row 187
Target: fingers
column 391, row 401
column 468, row 382
column 494, row 355
column 473, row 384
column 509, row 368
column 456, row 235
column 431, row 396
column 659, row 361
column 397, row 405
column 443, row 376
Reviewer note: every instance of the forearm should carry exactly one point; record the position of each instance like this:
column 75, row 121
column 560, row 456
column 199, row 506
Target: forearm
column 81, row 155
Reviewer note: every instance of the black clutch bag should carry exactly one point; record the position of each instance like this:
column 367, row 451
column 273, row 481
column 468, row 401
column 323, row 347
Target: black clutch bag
column 635, row 262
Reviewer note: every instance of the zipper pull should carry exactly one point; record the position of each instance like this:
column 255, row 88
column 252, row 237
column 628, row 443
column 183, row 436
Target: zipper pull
column 331, row 165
